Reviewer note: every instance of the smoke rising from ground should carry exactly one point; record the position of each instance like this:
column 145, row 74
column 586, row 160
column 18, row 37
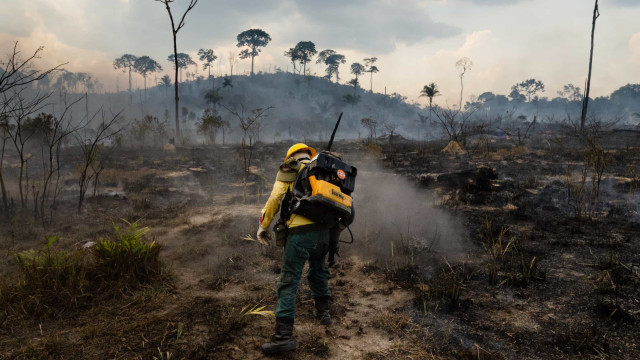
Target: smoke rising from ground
column 392, row 210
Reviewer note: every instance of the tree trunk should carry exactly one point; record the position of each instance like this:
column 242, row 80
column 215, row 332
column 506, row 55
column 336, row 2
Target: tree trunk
column 4, row 189
column 585, row 104
column 177, row 98
column 371, row 82
column 461, row 90
column 20, row 182
column 130, row 93
column 212, row 83
column 252, row 57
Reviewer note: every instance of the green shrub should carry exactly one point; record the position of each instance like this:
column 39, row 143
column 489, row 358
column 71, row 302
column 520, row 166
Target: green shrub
column 51, row 281
column 129, row 257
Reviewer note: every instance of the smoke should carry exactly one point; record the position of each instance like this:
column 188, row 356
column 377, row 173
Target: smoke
column 395, row 218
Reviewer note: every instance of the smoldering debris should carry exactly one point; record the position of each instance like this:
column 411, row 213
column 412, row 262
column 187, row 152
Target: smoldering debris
column 393, row 215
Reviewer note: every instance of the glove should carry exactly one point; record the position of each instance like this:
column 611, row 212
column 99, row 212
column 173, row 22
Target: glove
column 263, row 236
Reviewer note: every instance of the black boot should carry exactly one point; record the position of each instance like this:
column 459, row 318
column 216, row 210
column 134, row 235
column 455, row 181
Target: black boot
column 322, row 310
column 282, row 340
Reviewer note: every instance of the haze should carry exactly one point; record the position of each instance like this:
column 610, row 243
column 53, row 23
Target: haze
column 416, row 41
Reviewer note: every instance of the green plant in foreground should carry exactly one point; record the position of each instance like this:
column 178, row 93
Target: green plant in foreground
column 52, row 270
column 129, row 256
column 50, row 281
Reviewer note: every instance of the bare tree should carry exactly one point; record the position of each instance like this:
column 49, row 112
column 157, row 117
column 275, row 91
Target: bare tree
column 91, row 144
column 585, row 104
column 463, row 65
column 232, row 58
column 371, row 126
column 454, row 122
column 247, row 122
column 17, row 108
column 55, row 133
column 174, row 30
column 18, row 71
column 514, row 131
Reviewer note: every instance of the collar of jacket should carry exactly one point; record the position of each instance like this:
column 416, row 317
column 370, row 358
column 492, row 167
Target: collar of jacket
column 288, row 171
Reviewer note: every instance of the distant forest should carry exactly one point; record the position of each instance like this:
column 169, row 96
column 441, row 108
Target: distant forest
column 306, row 107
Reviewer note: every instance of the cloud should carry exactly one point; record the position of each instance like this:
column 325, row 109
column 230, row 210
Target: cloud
column 634, row 46
column 376, row 27
column 626, row 2
column 498, row 2
column 19, row 21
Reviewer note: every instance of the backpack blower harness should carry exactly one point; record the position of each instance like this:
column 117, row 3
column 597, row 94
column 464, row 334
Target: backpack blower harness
column 321, row 192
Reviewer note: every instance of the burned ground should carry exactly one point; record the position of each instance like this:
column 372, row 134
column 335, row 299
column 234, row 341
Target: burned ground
column 511, row 271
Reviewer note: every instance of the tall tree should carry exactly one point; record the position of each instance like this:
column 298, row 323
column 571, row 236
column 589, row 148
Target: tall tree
column 323, row 55
column 585, row 104
column 145, row 65
column 126, row 62
column 233, row 61
column 528, row 88
column 184, row 60
column 174, row 30
column 332, row 60
column 463, row 65
column 208, row 57
column 430, row 91
column 66, row 81
column 571, row 92
column 165, row 81
column 371, row 69
column 357, row 69
column 306, row 51
column 254, row 39
column 294, row 55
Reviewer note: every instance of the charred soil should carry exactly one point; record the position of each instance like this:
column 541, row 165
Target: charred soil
column 535, row 271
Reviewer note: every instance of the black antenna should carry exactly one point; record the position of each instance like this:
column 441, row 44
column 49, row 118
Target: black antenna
column 333, row 134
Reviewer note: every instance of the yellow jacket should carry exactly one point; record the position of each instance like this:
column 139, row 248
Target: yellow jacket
column 272, row 206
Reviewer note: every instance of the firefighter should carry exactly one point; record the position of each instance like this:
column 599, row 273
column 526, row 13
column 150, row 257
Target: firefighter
column 305, row 241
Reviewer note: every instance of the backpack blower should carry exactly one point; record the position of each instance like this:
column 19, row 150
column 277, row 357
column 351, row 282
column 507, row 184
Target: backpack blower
column 322, row 193
column 322, row 189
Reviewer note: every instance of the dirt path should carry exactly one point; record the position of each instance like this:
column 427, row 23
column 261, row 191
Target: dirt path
column 363, row 303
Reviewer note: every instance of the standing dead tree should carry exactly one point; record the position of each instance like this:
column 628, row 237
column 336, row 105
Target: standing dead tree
column 517, row 134
column 174, row 30
column 53, row 137
column 585, row 103
column 247, row 122
column 5, row 138
column 91, row 144
column 17, row 74
column 17, row 108
column 455, row 123
column 371, row 126
column 17, row 71
column 463, row 65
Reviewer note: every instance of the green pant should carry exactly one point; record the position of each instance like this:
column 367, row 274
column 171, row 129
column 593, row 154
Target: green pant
column 312, row 246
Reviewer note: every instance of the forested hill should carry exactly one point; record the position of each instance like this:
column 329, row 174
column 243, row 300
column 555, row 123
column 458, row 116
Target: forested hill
column 306, row 107
column 300, row 106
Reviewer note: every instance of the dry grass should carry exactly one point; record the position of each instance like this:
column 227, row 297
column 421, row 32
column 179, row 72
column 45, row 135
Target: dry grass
column 398, row 324
column 508, row 262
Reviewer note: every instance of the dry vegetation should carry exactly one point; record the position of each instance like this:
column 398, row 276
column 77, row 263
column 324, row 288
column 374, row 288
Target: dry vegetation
column 155, row 265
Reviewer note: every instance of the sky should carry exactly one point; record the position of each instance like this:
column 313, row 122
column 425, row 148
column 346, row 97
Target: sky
column 416, row 41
